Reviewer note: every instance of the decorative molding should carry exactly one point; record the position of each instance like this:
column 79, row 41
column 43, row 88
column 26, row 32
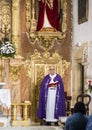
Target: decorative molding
column 46, row 58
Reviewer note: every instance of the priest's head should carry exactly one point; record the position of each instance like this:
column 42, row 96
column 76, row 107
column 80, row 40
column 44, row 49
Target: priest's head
column 52, row 70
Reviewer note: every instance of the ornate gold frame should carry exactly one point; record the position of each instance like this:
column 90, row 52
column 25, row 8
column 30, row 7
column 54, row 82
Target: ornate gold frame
column 45, row 38
column 37, row 67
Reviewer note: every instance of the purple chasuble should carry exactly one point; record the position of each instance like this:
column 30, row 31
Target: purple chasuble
column 60, row 107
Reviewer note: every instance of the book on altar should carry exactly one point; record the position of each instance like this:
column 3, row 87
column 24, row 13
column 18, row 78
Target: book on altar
column 53, row 84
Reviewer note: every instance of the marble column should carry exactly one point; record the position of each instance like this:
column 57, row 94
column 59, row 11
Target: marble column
column 6, row 72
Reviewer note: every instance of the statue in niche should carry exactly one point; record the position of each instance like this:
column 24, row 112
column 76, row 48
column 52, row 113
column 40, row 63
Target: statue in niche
column 48, row 18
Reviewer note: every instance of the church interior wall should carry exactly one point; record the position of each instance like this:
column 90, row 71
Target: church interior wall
column 81, row 39
column 81, row 32
column 77, row 63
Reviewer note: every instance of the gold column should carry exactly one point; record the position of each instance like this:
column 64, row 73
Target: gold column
column 33, row 17
column 33, row 9
column 16, row 24
column 61, row 3
column 14, row 112
column 25, row 114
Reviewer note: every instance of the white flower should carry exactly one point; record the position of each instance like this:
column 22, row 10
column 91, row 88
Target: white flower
column 7, row 48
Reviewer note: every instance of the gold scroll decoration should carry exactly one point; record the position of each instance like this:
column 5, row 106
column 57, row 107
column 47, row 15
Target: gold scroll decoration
column 15, row 72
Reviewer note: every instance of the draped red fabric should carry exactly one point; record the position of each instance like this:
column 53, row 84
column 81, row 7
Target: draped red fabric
column 52, row 15
column 41, row 15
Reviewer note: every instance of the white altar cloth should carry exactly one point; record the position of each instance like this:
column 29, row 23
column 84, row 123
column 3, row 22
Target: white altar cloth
column 5, row 99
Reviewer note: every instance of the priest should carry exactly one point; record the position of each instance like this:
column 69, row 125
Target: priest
column 52, row 99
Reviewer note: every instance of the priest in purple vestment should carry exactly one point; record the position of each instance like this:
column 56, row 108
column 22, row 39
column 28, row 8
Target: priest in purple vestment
column 52, row 98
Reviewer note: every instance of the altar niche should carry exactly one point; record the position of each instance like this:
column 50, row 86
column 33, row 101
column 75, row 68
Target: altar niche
column 45, row 36
column 39, row 67
column 55, row 8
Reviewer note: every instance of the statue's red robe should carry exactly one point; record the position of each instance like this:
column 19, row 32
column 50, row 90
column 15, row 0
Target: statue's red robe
column 52, row 14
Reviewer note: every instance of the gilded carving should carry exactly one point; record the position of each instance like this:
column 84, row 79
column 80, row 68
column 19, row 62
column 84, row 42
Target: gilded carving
column 16, row 41
column 36, row 55
column 28, row 14
column 5, row 19
column 15, row 72
column 28, row 67
column 15, row 4
column 47, row 37
column 37, row 66
column 40, row 75
column 47, row 58
column 64, row 25
column 15, row 38
column 1, row 70
column 46, row 42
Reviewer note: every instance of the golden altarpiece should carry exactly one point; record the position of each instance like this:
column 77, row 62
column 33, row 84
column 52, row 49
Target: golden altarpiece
column 35, row 51
column 38, row 64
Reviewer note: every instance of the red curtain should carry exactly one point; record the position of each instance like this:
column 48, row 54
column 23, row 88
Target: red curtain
column 52, row 15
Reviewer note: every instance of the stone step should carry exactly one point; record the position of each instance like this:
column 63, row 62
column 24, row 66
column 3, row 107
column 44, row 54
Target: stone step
column 32, row 128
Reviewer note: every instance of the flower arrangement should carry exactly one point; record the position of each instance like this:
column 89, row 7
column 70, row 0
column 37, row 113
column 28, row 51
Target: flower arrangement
column 6, row 48
column 90, row 85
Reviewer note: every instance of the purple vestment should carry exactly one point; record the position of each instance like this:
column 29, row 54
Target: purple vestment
column 60, row 98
